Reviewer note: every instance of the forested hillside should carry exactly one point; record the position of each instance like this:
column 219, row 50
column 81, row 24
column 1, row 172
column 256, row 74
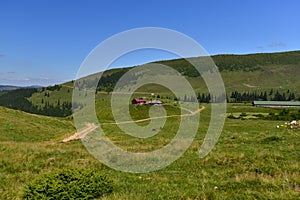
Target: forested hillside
column 18, row 100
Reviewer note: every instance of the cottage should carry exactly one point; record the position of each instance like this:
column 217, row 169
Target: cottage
column 139, row 101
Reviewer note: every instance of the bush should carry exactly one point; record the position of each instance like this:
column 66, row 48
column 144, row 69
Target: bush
column 243, row 114
column 271, row 139
column 231, row 116
column 69, row 184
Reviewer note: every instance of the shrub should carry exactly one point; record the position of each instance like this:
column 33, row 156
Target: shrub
column 271, row 139
column 69, row 184
column 231, row 116
column 243, row 114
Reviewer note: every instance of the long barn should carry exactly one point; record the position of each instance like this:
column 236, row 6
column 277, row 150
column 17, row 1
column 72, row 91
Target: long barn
column 279, row 104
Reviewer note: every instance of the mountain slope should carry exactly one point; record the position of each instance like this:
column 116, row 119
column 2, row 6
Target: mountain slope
column 8, row 87
column 238, row 71
column 244, row 73
column 231, row 62
column 11, row 87
column 260, row 73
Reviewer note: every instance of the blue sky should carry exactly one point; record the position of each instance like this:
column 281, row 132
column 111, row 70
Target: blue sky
column 44, row 42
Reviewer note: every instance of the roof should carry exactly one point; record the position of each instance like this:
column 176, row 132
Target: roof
column 155, row 102
column 277, row 103
column 139, row 99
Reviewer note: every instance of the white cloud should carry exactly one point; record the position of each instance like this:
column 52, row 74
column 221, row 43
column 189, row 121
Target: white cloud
column 272, row 45
column 277, row 44
column 12, row 78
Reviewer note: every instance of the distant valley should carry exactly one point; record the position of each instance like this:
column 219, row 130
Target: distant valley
column 8, row 87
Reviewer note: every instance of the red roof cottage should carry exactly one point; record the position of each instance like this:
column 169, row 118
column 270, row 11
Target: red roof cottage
column 139, row 101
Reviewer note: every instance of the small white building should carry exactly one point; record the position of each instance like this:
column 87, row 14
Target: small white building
column 155, row 102
column 293, row 122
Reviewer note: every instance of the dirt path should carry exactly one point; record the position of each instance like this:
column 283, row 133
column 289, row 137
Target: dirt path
column 160, row 117
column 91, row 127
column 81, row 134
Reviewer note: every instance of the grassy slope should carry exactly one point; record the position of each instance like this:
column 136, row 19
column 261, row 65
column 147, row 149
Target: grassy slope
column 29, row 145
column 19, row 126
column 281, row 77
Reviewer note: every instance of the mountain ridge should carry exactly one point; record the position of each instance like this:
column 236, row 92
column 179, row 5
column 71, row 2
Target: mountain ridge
column 12, row 87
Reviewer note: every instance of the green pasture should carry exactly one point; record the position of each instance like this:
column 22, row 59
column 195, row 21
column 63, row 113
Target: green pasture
column 253, row 159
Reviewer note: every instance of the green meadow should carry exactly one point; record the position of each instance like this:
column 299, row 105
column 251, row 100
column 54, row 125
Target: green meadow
column 257, row 155
column 253, row 159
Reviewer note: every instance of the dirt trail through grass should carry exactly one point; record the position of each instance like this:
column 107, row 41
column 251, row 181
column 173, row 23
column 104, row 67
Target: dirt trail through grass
column 81, row 134
column 160, row 117
column 91, row 127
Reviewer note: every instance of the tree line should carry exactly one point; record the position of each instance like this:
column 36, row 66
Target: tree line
column 262, row 96
column 239, row 97
column 202, row 98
